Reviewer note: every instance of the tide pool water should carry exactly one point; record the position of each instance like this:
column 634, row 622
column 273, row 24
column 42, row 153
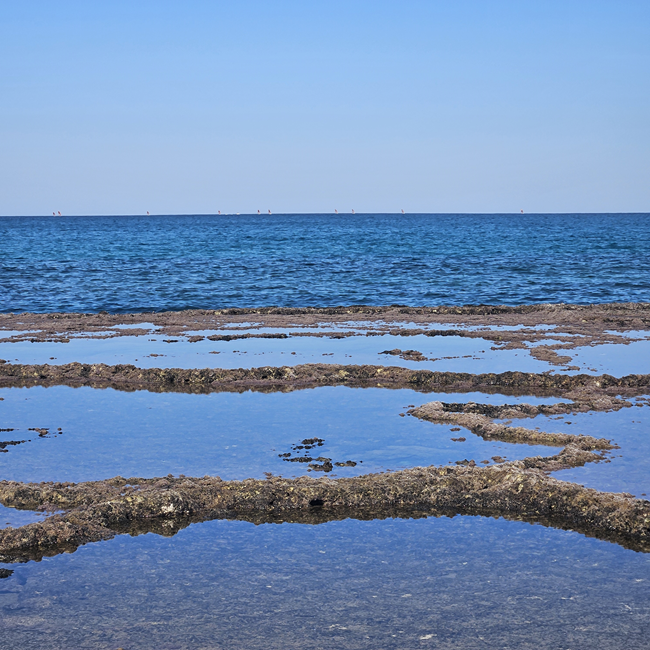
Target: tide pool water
column 106, row 433
column 140, row 263
column 445, row 353
column 448, row 584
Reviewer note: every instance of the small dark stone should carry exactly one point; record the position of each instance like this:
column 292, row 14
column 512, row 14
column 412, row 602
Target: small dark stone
column 313, row 441
column 325, row 466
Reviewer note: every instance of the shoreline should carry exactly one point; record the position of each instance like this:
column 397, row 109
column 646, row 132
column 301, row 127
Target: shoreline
column 280, row 378
column 548, row 332
column 99, row 510
column 522, row 489
column 558, row 312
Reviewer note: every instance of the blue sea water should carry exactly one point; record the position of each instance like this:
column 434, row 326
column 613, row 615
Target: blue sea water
column 142, row 263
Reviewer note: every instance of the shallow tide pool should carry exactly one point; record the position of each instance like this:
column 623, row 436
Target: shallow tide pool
column 442, row 353
column 466, row 582
column 437, row 582
column 452, row 353
column 106, row 433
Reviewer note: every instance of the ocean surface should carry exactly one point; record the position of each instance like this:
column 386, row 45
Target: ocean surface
column 142, row 263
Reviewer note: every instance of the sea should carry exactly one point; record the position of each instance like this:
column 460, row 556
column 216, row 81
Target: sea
column 358, row 583
column 173, row 262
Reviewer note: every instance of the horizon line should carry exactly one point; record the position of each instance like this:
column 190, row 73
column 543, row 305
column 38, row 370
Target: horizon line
column 333, row 214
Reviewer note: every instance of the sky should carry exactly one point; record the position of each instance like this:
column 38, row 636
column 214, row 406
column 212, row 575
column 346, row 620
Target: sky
column 124, row 107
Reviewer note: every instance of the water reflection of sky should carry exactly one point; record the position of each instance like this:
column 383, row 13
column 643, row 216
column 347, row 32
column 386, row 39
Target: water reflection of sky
column 629, row 469
column 468, row 355
column 233, row 435
column 469, row 582
column 449, row 353
column 10, row 517
column 466, row 582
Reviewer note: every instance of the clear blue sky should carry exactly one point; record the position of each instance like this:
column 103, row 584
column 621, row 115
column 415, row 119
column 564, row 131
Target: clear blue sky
column 119, row 107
